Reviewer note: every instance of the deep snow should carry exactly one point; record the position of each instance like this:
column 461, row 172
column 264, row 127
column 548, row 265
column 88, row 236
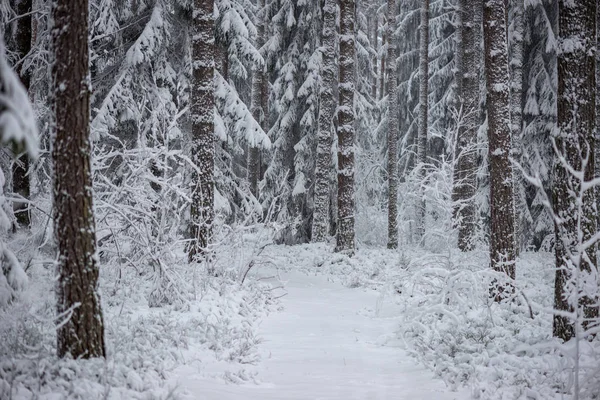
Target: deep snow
column 327, row 343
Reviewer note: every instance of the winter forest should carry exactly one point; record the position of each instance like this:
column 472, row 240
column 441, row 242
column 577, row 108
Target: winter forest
column 299, row 199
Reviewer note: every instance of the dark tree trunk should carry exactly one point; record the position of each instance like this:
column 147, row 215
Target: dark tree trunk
column 320, row 223
column 468, row 60
column 80, row 323
column 382, row 66
column 576, row 119
column 20, row 169
column 345, row 129
column 516, row 31
column 423, row 113
column 203, row 138
column 393, row 129
column 258, row 76
column 374, row 29
column 502, row 244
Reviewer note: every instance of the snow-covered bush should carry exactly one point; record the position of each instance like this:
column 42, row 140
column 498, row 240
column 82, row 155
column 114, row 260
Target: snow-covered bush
column 502, row 350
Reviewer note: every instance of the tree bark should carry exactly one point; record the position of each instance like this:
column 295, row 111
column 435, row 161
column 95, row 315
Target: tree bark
column 502, row 244
column 516, row 111
column 382, row 65
column 80, row 329
column 575, row 141
column 320, row 224
column 345, row 129
column 393, row 129
column 20, row 169
column 465, row 156
column 253, row 167
column 203, row 139
column 423, row 113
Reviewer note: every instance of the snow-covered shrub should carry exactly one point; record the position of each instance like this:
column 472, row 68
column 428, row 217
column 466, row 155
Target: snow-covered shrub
column 502, row 350
column 18, row 130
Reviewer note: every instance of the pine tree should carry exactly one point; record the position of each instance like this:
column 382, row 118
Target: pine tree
column 345, row 129
column 80, row 323
column 393, row 126
column 575, row 143
column 20, row 170
column 423, row 112
column 468, row 67
column 320, row 225
column 202, row 115
column 502, row 244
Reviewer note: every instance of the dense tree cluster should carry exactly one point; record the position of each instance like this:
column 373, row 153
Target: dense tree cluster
column 162, row 122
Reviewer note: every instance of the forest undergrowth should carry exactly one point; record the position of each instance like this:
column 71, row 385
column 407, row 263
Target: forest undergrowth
column 197, row 318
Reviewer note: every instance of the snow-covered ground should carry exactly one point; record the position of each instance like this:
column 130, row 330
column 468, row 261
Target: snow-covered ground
column 307, row 323
column 327, row 343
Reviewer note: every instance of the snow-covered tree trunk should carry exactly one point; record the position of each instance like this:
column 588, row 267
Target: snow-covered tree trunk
column 393, row 129
column 374, row 29
column 80, row 328
column 320, row 225
column 502, row 244
column 345, row 129
column 382, row 64
column 516, row 31
column 20, row 169
column 423, row 113
column 468, row 67
column 256, row 101
column 575, row 143
column 203, row 138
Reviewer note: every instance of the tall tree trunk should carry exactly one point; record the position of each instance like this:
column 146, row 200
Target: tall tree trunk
column 80, row 329
column 256, row 102
column 345, row 129
column 502, row 244
column 576, row 118
column 382, row 64
column 20, row 169
column 423, row 113
column 393, row 129
column 203, row 139
column 374, row 43
column 320, row 225
column 516, row 30
column 465, row 157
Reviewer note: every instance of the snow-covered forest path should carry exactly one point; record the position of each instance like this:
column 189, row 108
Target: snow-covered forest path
column 326, row 344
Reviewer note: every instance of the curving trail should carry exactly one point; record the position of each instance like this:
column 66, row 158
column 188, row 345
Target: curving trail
column 326, row 345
